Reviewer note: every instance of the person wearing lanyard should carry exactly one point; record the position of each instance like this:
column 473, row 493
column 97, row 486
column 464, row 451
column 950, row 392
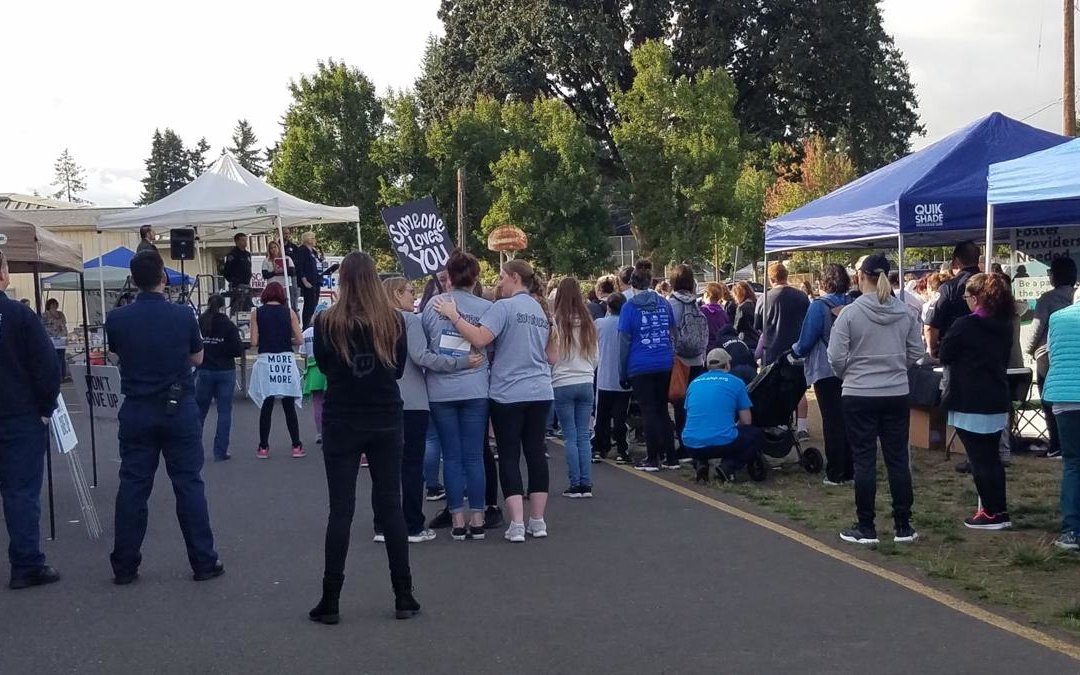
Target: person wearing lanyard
column 158, row 343
column 29, row 386
column 520, row 388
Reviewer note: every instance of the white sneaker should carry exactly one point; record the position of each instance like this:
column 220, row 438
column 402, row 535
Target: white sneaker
column 379, row 538
column 422, row 536
column 537, row 528
column 515, row 534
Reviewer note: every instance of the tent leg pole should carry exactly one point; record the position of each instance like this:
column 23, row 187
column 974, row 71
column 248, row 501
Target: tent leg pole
column 101, row 289
column 359, row 238
column 284, row 261
column 89, row 399
column 765, row 287
column 48, row 450
column 989, row 236
column 900, row 262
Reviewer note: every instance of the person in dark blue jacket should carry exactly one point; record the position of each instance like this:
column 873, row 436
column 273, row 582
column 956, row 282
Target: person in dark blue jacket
column 158, row 343
column 647, row 355
column 29, row 386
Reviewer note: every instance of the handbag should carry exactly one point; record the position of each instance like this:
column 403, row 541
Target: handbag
column 680, row 378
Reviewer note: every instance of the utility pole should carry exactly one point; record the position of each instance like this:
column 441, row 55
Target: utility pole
column 461, row 208
column 1069, row 97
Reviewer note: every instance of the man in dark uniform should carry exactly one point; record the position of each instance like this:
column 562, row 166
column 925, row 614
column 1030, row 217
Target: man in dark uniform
column 237, row 272
column 29, row 385
column 158, row 343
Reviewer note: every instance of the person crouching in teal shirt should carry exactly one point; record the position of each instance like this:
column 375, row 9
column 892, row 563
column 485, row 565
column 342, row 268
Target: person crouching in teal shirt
column 715, row 400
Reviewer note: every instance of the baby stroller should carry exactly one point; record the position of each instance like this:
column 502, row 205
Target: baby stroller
column 775, row 393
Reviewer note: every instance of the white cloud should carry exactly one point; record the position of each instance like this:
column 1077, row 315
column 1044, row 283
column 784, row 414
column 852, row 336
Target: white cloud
column 969, row 58
column 98, row 77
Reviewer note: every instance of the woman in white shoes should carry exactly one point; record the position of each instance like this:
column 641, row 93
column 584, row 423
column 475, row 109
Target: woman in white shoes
column 520, row 389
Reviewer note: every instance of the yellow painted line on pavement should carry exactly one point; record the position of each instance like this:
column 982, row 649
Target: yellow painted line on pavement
column 973, row 611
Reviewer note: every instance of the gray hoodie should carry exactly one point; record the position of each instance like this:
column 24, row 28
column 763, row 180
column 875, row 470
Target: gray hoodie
column 872, row 345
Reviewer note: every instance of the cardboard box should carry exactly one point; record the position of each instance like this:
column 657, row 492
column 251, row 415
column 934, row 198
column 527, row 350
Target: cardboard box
column 927, row 428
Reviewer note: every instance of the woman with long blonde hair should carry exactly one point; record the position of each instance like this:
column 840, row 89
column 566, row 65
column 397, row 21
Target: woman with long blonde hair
column 360, row 346
column 572, row 353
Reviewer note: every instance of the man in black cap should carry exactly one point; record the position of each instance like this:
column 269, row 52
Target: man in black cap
column 29, row 386
column 158, row 343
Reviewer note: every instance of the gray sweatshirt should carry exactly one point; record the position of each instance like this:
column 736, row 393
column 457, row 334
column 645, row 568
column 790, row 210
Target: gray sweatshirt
column 413, row 384
column 1050, row 302
column 872, row 345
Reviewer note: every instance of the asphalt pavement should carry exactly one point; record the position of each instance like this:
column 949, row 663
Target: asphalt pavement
column 639, row 579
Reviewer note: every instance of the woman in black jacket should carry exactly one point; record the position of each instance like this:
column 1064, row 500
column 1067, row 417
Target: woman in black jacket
column 976, row 351
column 217, row 374
column 361, row 347
column 745, row 307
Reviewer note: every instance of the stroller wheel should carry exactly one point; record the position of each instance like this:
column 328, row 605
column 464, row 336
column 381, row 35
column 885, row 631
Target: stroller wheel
column 756, row 468
column 812, row 460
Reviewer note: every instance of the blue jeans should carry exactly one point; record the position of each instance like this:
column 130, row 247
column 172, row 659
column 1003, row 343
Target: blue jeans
column 573, row 405
column 219, row 385
column 461, row 426
column 24, row 440
column 1069, row 436
column 432, row 456
column 146, row 435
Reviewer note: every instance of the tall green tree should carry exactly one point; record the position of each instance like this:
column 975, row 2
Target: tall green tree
column 69, row 178
column 406, row 169
column 680, row 143
column 806, row 67
column 550, row 187
column 799, row 66
column 197, row 158
column 168, row 168
column 472, row 138
column 244, row 149
column 325, row 151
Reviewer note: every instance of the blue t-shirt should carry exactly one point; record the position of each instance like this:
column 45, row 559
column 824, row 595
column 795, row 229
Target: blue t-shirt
column 443, row 339
column 647, row 318
column 519, row 368
column 713, row 401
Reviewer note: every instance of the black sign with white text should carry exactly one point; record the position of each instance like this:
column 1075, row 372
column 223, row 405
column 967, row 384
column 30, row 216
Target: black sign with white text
column 418, row 237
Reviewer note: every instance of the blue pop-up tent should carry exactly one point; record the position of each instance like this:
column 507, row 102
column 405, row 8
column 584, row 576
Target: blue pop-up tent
column 112, row 271
column 930, row 197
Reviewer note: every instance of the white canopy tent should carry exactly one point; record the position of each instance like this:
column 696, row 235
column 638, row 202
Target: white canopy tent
column 226, row 198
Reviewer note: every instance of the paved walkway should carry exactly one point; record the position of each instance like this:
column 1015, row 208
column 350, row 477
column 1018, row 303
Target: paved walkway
column 640, row 579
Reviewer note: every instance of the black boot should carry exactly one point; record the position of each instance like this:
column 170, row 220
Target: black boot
column 405, row 605
column 327, row 609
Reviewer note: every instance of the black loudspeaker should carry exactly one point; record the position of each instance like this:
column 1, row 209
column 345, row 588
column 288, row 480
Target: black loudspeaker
column 182, row 244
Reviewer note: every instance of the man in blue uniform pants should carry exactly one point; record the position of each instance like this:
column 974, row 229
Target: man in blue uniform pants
column 29, row 385
column 158, row 343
